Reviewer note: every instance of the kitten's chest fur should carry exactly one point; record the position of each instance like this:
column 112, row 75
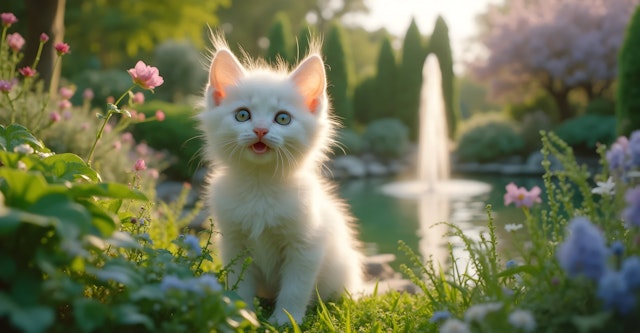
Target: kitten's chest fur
column 254, row 205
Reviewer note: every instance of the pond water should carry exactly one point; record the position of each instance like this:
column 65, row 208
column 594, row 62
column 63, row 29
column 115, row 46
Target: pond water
column 385, row 219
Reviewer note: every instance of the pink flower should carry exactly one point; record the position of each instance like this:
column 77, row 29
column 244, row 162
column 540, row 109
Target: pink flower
column 54, row 117
column 138, row 98
column 65, row 92
column 15, row 41
column 154, row 173
column 159, row 115
column 111, row 99
column 66, row 114
column 27, row 71
column 88, row 94
column 61, row 48
column 44, row 38
column 8, row 19
column 64, row 104
column 140, row 165
column 145, row 76
column 117, row 145
column 126, row 137
column 84, row 126
column 141, row 116
column 5, row 85
column 520, row 196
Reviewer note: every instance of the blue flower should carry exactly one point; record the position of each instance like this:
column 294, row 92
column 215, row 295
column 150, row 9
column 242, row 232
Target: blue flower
column 617, row 248
column 172, row 282
column 193, row 245
column 631, row 214
column 584, row 251
column 634, row 149
column 511, row 264
column 617, row 154
column 631, row 272
column 209, row 282
column 614, row 292
column 439, row 316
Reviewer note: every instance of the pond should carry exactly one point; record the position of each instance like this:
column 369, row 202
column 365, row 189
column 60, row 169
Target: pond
column 385, row 219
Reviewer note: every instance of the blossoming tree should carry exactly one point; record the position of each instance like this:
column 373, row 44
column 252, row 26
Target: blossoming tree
column 557, row 46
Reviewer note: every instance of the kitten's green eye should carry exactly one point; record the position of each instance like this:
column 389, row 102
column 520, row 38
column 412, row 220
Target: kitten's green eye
column 283, row 118
column 243, row 115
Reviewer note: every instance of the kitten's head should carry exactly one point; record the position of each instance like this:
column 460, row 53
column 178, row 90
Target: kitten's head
column 269, row 118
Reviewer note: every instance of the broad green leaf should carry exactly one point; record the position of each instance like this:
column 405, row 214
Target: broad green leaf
column 102, row 220
column 122, row 272
column 89, row 314
column 22, row 189
column 66, row 167
column 130, row 315
column 33, row 319
column 74, row 218
column 106, row 190
column 15, row 135
column 10, row 219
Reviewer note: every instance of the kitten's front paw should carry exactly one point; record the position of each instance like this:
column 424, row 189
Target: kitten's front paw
column 279, row 317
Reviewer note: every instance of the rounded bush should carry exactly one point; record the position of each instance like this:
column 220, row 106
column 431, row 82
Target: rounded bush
column 387, row 138
column 584, row 132
column 104, row 83
column 487, row 138
column 181, row 66
column 348, row 143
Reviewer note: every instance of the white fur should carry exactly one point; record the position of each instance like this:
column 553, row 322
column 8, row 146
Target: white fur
column 277, row 206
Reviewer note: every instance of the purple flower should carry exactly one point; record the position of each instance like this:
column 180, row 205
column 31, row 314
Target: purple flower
column 614, row 292
column 584, row 251
column 634, row 149
column 172, row 282
column 617, row 154
column 631, row 214
column 5, row 86
column 617, row 248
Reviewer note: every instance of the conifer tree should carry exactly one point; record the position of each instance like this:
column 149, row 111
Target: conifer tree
column 384, row 87
column 439, row 45
column 628, row 90
column 306, row 34
column 363, row 101
column 280, row 39
column 338, row 74
column 410, row 79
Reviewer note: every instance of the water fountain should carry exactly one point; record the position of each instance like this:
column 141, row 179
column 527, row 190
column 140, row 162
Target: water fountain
column 433, row 189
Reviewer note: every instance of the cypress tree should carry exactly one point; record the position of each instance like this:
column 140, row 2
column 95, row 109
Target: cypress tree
column 362, row 101
column 384, row 87
column 410, row 79
column 439, row 44
column 628, row 90
column 280, row 39
column 338, row 74
column 305, row 36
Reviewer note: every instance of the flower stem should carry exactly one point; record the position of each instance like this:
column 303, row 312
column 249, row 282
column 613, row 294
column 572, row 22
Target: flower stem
column 104, row 123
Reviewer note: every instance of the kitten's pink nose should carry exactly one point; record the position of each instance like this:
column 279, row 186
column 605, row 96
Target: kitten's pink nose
column 260, row 132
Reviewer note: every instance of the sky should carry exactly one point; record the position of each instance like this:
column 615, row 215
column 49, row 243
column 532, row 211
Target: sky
column 395, row 15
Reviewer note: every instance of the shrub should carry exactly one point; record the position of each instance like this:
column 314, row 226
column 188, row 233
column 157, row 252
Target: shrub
column 177, row 135
column 181, row 66
column 601, row 106
column 628, row 90
column 488, row 137
column 348, row 142
column 531, row 125
column 583, row 133
column 386, row 138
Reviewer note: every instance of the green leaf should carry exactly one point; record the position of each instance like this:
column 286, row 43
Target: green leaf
column 102, row 220
column 590, row 323
column 106, row 190
column 21, row 189
column 89, row 314
column 130, row 315
column 121, row 272
column 34, row 319
column 518, row 269
column 15, row 135
column 11, row 218
column 66, row 167
column 74, row 219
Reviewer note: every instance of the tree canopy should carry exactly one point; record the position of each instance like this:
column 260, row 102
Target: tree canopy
column 557, row 46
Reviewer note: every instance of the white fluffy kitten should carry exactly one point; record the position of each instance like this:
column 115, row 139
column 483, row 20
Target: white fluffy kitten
column 267, row 132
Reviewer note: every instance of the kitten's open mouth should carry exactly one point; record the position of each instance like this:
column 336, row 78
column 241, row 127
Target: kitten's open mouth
column 259, row 147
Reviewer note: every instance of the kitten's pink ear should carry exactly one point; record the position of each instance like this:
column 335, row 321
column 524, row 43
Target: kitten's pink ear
column 225, row 71
column 310, row 80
